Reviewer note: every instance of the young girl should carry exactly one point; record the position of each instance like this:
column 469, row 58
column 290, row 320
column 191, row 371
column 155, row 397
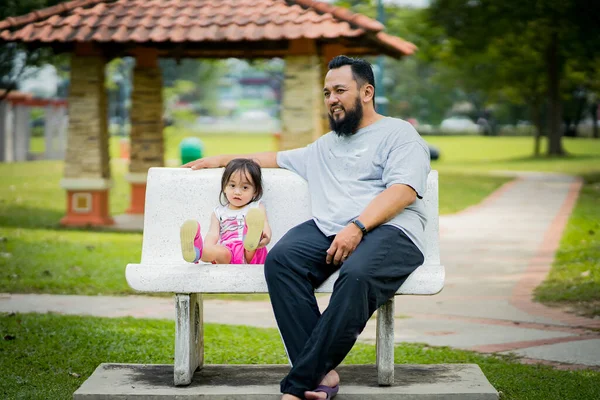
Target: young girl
column 239, row 230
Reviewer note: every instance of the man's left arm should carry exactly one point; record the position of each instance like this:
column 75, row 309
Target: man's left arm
column 405, row 177
column 385, row 206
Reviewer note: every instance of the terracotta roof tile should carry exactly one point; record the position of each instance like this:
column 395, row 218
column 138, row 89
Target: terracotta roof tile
column 177, row 21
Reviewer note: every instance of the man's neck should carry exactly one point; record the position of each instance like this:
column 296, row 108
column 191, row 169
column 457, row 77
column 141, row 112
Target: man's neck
column 369, row 118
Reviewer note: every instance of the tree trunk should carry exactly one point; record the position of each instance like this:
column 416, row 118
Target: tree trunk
column 554, row 70
column 595, row 119
column 580, row 107
column 536, row 116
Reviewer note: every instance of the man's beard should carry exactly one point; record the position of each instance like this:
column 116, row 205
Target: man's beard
column 348, row 125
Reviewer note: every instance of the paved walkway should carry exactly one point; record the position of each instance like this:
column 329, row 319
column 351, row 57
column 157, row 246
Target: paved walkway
column 495, row 254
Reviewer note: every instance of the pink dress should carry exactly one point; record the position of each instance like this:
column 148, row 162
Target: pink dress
column 232, row 224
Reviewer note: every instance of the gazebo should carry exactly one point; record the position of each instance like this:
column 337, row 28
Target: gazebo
column 305, row 33
column 15, row 129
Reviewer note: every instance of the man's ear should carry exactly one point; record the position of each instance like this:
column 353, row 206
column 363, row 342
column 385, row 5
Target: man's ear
column 368, row 91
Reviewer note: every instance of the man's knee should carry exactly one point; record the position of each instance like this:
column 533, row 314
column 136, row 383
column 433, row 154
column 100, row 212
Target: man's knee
column 355, row 273
column 275, row 260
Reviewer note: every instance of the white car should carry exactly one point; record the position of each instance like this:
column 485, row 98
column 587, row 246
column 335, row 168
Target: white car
column 459, row 124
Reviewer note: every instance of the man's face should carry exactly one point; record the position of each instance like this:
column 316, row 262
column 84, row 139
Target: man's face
column 343, row 101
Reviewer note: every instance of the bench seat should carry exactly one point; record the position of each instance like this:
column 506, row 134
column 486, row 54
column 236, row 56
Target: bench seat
column 236, row 278
column 174, row 195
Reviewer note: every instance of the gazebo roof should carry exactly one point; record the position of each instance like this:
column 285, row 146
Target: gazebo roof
column 215, row 28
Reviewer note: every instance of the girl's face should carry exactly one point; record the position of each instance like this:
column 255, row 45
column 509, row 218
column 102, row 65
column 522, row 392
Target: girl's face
column 239, row 190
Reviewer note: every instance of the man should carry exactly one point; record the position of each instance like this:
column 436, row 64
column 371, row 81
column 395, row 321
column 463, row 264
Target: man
column 366, row 178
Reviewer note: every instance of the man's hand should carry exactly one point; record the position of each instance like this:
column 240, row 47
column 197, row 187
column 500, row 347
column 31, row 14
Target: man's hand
column 344, row 244
column 208, row 162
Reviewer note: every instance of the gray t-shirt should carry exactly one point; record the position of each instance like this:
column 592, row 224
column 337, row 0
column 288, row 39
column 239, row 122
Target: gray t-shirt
column 344, row 174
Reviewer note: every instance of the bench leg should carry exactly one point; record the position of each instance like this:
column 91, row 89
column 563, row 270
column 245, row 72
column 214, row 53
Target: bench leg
column 385, row 344
column 189, row 337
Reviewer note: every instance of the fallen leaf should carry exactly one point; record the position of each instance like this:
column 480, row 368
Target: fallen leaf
column 75, row 374
column 585, row 273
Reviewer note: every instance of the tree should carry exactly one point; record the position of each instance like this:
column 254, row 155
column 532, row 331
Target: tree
column 16, row 60
column 564, row 30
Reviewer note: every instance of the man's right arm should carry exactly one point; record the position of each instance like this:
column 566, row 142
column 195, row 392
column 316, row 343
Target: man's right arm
column 266, row 159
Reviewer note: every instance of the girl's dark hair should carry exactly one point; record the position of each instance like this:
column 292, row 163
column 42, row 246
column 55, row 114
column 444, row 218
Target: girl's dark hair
column 247, row 167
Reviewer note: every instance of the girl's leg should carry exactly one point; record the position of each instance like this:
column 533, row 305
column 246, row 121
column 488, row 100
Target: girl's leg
column 216, row 253
column 191, row 241
column 259, row 257
column 193, row 249
column 249, row 255
column 255, row 221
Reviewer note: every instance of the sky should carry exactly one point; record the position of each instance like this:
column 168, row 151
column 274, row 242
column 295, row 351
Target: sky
column 410, row 3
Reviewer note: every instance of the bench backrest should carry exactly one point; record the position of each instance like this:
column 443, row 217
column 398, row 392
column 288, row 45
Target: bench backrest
column 174, row 195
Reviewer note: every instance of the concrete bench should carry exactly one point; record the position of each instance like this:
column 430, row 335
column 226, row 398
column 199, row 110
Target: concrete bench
column 174, row 195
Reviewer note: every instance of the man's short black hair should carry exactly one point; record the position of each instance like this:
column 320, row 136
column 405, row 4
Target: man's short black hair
column 362, row 71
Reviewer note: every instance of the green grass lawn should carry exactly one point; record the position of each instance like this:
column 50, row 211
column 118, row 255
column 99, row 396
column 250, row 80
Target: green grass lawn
column 479, row 155
column 575, row 277
column 50, row 356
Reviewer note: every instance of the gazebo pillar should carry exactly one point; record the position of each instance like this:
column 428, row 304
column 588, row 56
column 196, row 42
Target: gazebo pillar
column 146, row 137
column 328, row 52
column 302, row 96
column 22, row 132
column 54, row 131
column 87, row 177
column 6, row 131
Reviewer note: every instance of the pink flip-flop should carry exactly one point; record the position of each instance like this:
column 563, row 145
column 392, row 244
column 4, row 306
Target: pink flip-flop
column 330, row 391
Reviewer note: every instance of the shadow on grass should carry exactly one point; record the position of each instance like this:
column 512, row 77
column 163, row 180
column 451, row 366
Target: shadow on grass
column 29, row 217
column 545, row 158
column 14, row 216
column 540, row 160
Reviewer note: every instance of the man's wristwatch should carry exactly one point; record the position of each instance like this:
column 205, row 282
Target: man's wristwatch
column 360, row 226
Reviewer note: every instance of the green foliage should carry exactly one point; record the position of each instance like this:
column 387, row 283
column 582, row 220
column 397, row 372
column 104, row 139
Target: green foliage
column 192, row 81
column 13, row 8
column 506, row 47
column 50, row 356
column 16, row 58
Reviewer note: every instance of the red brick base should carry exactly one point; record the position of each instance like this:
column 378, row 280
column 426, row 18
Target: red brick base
column 138, row 198
column 87, row 208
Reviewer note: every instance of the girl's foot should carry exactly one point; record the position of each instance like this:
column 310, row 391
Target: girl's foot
column 191, row 241
column 255, row 222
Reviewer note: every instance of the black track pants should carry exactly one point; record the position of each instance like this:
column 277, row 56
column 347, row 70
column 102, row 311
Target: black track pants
column 316, row 343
